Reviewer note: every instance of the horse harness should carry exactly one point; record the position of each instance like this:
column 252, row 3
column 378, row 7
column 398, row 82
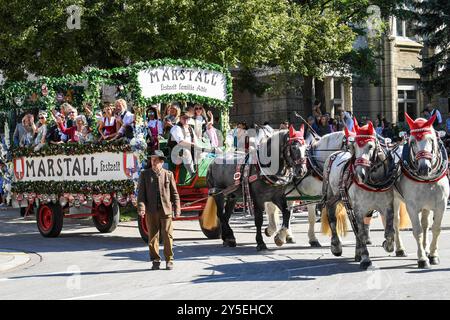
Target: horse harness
column 344, row 184
column 439, row 171
column 243, row 177
column 314, row 168
column 347, row 178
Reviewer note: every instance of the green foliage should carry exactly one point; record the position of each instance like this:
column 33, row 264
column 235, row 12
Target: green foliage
column 128, row 213
column 78, row 187
column 362, row 64
column 96, row 77
column 302, row 37
column 72, row 148
column 432, row 19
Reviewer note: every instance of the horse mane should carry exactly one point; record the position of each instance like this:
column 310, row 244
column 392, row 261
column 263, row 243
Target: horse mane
column 266, row 148
column 330, row 141
column 327, row 145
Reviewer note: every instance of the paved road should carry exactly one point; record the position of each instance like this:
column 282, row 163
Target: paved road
column 83, row 264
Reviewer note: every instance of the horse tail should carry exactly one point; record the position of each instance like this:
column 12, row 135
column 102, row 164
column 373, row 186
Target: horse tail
column 341, row 220
column 404, row 218
column 209, row 215
column 325, row 222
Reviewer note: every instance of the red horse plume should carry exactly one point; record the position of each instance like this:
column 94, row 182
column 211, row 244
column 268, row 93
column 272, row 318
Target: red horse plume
column 420, row 127
column 363, row 134
column 349, row 133
column 296, row 135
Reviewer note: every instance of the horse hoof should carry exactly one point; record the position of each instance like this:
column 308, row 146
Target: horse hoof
column 388, row 246
column 267, row 233
column 434, row 260
column 336, row 251
column 229, row 243
column 357, row 258
column 400, row 253
column 278, row 241
column 365, row 264
column 290, row 240
column 261, row 247
column 336, row 248
column 315, row 244
column 423, row 264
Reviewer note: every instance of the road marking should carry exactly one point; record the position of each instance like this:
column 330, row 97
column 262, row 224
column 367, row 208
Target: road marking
column 16, row 261
column 86, row 297
column 218, row 278
column 62, row 273
column 314, row 267
column 12, row 253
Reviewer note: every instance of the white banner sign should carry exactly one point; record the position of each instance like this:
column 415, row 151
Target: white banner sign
column 91, row 167
column 174, row 79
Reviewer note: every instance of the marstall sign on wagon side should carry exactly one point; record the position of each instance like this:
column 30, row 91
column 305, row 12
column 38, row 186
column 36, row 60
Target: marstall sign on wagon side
column 164, row 80
column 92, row 167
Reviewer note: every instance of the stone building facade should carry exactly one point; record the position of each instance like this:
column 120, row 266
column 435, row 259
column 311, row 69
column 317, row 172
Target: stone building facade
column 274, row 107
column 399, row 90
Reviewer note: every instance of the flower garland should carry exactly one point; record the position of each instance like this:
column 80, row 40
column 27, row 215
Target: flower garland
column 13, row 94
column 72, row 148
column 11, row 90
column 76, row 187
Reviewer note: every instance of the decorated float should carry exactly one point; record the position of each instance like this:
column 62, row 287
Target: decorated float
column 95, row 179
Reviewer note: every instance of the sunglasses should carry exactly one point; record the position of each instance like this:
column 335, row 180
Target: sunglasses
column 198, row 109
column 42, row 118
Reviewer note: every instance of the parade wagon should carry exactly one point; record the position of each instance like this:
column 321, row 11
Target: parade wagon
column 95, row 179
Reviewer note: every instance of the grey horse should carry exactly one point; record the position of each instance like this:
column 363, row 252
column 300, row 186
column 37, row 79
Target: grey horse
column 367, row 160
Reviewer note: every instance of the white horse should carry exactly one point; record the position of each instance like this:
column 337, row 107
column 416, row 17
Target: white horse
column 310, row 185
column 368, row 162
column 424, row 185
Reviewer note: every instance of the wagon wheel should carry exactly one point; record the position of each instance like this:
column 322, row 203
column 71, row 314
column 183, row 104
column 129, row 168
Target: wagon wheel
column 211, row 234
column 106, row 218
column 143, row 229
column 49, row 220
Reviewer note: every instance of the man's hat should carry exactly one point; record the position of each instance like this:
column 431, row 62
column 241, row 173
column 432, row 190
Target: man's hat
column 185, row 115
column 159, row 154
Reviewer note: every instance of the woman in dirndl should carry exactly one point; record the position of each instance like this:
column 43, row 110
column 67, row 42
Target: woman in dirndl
column 155, row 128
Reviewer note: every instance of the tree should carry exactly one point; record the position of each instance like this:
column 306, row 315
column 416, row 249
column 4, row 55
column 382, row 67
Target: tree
column 306, row 37
column 433, row 25
column 35, row 37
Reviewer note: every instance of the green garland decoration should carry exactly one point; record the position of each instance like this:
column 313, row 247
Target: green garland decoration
column 71, row 149
column 79, row 187
column 95, row 76
column 24, row 89
column 126, row 76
